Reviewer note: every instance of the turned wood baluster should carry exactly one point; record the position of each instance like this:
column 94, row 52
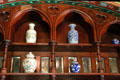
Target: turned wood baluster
column 53, row 67
column 4, row 69
column 6, row 43
column 100, row 70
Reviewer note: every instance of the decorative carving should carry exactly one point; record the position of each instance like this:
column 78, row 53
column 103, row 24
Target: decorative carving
column 4, row 15
column 100, row 18
column 53, row 9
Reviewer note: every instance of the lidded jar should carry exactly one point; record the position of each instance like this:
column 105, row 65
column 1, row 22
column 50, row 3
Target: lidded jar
column 75, row 67
column 31, row 34
column 29, row 63
column 72, row 34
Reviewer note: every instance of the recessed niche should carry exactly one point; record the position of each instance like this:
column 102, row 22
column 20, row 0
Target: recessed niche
column 1, row 37
column 21, row 26
column 112, row 32
column 84, row 29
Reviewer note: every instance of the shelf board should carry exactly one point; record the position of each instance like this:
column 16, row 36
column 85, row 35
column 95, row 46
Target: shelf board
column 29, row 47
column 67, row 47
column 29, row 44
column 25, row 73
column 106, row 74
column 110, row 45
column 79, row 44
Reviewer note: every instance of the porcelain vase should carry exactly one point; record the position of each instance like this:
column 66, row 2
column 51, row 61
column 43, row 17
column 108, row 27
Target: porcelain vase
column 31, row 34
column 75, row 67
column 72, row 34
column 29, row 63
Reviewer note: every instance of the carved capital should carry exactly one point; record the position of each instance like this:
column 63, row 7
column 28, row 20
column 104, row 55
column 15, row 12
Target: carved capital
column 53, row 9
column 99, row 18
column 4, row 15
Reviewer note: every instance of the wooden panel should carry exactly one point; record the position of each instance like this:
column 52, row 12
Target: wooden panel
column 81, row 64
column 38, row 64
column 107, row 67
column 66, row 64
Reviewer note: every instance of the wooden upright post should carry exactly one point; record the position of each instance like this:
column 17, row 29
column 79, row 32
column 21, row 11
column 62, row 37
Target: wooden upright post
column 6, row 44
column 100, row 70
column 4, row 69
column 53, row 67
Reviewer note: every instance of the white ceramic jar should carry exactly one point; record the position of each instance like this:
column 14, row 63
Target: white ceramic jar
column 29, row 63
column 31, row 34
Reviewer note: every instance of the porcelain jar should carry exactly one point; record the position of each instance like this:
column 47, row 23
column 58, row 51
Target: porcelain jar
column 115, row 41
column 74, row 67
column 29, row 63
column 72, row 34
column 31, row 34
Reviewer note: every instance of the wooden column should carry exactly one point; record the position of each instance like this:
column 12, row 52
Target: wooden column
column 6, row 44
column 53, row 67
column 100, row 70
column 4, row 69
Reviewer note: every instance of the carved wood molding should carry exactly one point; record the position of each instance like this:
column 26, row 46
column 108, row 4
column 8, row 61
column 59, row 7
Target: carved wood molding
column 4, row 15
column 53, row 9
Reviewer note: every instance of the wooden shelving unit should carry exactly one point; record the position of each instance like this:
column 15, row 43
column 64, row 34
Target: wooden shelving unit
column 93, row 52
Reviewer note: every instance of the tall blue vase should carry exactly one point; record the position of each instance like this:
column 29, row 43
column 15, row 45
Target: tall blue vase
column 75, row 67
column 72, row 34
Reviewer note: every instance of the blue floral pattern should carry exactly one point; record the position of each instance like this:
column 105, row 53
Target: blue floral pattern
column 75, row 67
column 72, row 34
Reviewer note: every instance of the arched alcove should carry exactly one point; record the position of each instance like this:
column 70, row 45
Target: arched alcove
column 85, row 30
column 1, row 33
column 21, row 26
column 112, row 32
column 1, row 37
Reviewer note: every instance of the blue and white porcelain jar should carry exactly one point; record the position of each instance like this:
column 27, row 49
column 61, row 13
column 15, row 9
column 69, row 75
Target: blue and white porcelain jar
column 75, row 67
column 115, row 41
column 72, row 34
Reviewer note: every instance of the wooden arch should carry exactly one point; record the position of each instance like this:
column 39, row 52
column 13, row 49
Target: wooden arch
column 85, row 16
column 21, row 13
column 106, row 27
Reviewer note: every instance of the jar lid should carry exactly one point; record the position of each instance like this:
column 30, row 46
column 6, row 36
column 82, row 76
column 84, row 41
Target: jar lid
column 30, row 55
column 76, row 62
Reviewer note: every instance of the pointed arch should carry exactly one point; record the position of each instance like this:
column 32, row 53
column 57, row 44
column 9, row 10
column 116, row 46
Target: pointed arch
column 106, row 27
column 21, row 13
column 84, row 15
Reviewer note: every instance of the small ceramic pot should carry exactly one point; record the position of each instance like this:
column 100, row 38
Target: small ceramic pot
column 75, row 67
column 115, row 41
